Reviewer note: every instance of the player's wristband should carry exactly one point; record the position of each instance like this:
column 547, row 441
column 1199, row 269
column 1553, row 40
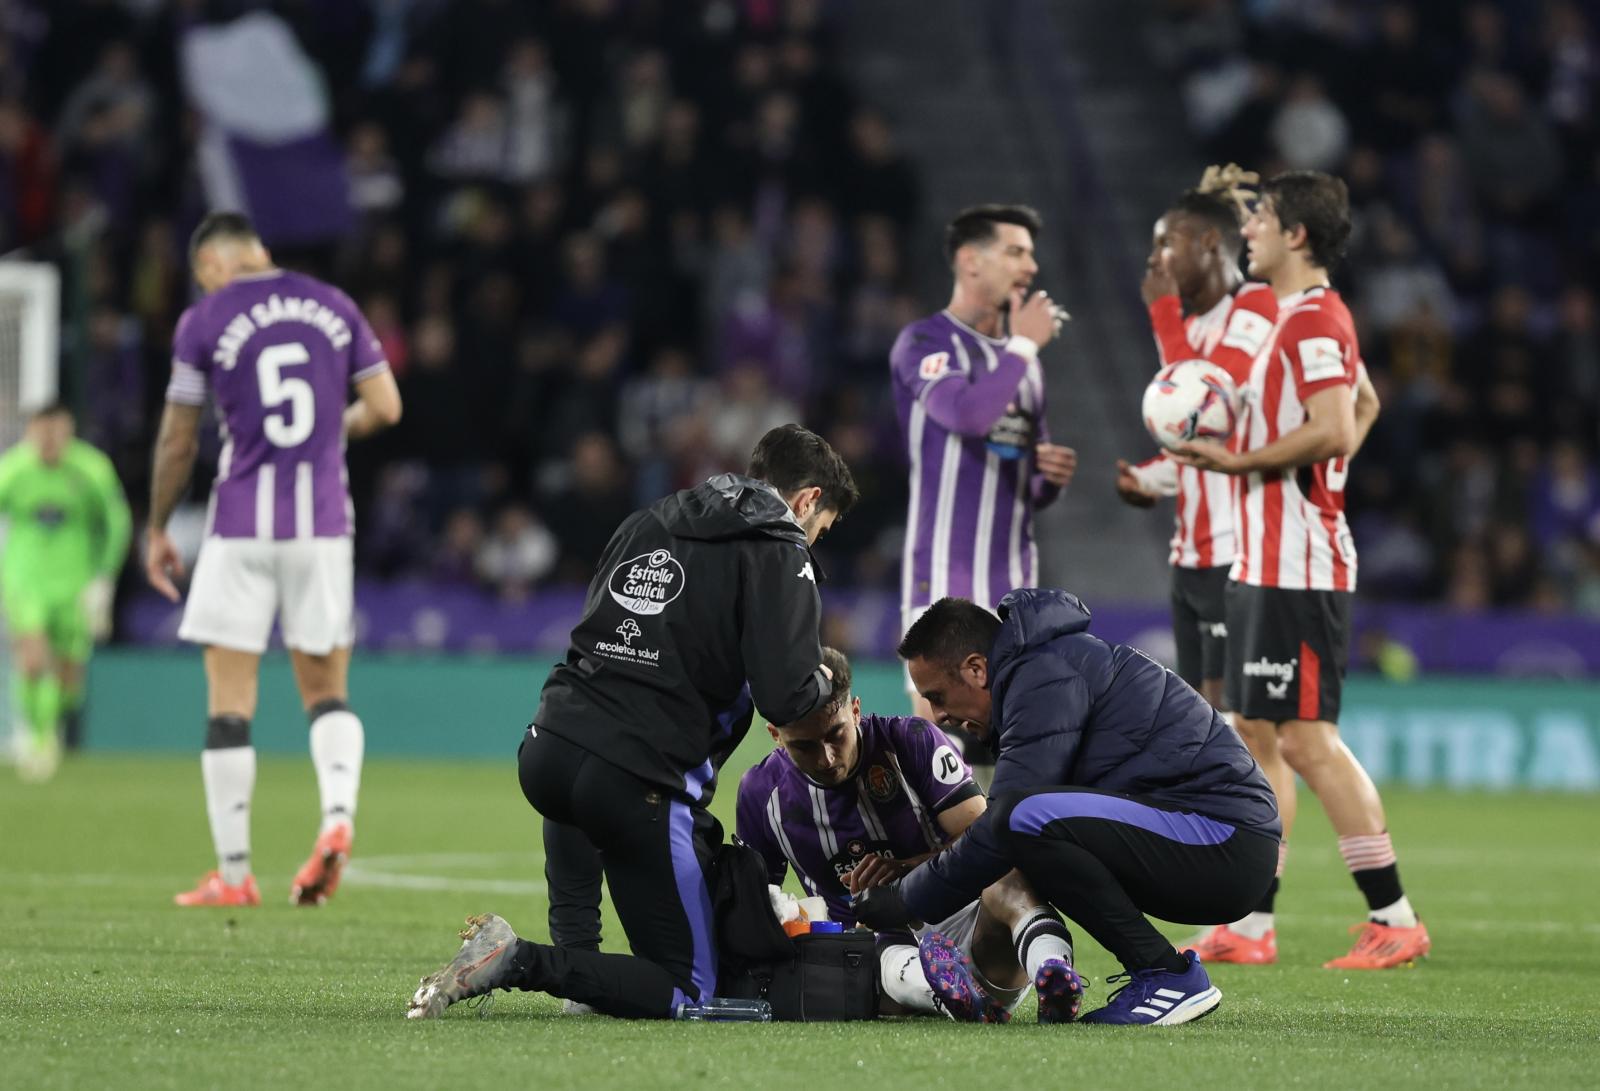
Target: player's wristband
column 1023, row 346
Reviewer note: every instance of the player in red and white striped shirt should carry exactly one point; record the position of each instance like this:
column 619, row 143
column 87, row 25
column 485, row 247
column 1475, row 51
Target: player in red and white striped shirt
column 1193, row 270
column 1307, row 407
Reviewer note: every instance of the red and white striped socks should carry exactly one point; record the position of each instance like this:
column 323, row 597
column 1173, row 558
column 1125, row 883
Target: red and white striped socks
column 1368, row 852
column 1371, row 860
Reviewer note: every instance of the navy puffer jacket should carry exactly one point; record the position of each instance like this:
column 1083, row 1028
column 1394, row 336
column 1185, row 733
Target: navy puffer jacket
column 1070, row 709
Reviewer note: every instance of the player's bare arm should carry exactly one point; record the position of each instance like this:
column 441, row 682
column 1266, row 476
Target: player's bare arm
column 1367, row 409
column 1329, row 432
column 377, row 406
column 177, row 444
column 955, row 820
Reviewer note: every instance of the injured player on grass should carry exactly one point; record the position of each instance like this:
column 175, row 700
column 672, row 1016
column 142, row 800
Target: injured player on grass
column 851, row 802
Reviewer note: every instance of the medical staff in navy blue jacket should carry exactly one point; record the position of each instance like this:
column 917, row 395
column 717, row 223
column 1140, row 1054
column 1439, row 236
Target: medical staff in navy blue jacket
column 1118, row 792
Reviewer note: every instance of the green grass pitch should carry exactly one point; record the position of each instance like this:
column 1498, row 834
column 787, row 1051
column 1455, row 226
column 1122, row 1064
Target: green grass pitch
column 104, row 983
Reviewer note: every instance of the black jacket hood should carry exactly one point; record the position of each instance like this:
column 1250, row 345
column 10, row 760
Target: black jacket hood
column 728, row 506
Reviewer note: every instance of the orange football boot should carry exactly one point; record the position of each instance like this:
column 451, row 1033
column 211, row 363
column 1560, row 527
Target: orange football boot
column 214, row 892
column 318, row 877
column 1380, row 947
column 1223, row 944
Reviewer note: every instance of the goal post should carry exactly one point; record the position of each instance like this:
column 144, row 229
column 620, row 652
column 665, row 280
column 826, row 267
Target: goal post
column 30, row 367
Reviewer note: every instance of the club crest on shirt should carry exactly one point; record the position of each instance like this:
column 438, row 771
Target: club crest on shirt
column 882, row 784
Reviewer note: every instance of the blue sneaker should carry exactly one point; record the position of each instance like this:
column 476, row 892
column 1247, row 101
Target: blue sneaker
column 1060, row 992
column 1160, row 997
column 949, row 973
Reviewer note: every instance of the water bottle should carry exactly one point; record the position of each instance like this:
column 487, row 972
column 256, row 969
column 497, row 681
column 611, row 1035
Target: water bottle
column 725, row 1009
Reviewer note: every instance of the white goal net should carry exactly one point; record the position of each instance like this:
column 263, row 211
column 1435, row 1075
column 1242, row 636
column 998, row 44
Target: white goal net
column 30, row 317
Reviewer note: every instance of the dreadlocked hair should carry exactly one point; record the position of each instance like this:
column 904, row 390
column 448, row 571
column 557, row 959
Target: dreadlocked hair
column 1220, row 201
column 1231, row 182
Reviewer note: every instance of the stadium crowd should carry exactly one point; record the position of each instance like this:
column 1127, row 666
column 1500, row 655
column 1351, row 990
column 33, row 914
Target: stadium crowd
column 606, row 245
column 1470, row 137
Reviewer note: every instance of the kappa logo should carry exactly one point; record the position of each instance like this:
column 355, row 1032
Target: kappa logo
column 628, row 630
column 882, row 785
column 648, row 583
column 806, row 572
column 1277, row 691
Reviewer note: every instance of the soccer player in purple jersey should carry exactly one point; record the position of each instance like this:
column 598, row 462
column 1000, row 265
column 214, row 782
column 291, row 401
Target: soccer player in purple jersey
column 970, row 395
column 852, row 802
column 278, row 352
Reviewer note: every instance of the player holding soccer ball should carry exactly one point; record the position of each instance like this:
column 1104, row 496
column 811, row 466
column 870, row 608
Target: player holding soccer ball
column 1306, row 412
column 280, row 353
column 68, row 533
column 1193, row 271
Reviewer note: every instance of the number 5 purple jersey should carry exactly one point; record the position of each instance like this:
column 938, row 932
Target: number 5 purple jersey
column 279, row 351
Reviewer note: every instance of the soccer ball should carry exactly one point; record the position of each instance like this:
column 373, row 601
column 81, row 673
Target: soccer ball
column 1191, row 399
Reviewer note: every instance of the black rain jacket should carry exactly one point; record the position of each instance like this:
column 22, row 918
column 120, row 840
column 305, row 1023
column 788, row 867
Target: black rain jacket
column 704, row 605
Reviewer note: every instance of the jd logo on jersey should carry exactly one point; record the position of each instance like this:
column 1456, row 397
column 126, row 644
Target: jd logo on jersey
column 648, row 583
column 947, row 768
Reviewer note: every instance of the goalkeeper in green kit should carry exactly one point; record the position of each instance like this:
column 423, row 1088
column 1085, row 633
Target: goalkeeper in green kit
column 67, row 533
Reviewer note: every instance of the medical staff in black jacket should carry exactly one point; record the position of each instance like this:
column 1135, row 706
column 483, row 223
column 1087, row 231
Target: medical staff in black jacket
column 703, row 608
column 1118, row 791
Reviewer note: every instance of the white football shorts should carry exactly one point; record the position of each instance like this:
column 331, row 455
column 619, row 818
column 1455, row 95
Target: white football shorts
column 241, row 584
column 958, row 928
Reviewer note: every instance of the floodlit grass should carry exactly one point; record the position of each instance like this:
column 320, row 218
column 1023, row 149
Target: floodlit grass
column 104, row 983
